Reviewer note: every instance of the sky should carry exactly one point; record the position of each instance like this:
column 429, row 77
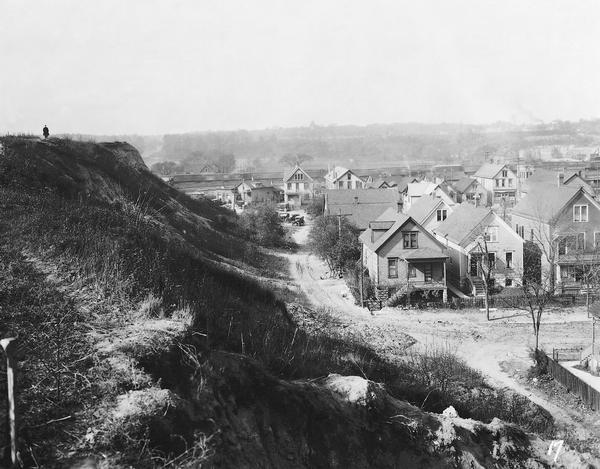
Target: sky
column 152, row 67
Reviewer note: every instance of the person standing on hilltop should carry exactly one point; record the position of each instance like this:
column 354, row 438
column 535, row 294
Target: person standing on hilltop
column 45, row 131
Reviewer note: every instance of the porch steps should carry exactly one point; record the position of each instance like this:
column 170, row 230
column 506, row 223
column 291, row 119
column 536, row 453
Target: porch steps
column 455, row 290
column 478, row 285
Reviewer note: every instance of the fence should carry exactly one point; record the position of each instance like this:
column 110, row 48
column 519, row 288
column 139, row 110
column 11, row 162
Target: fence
column 574, row 384
column 519, row 301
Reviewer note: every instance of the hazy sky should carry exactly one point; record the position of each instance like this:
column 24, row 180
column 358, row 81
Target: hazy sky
column 171, row 66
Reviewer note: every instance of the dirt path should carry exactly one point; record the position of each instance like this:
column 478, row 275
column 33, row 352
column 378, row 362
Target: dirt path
column 498, row 348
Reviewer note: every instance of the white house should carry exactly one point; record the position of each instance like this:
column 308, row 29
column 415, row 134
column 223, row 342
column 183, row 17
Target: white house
column 298, row 186
column 499, row 181
column 342, row 178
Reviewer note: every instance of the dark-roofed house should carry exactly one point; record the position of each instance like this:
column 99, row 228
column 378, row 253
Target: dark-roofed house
column 565, row 223
column 298, row 186
column 430, row 211
column 466, row 232
column 401, row 257
column 499, row 181
column 469, row 190
column 361, row 206
column 545, row 177
column 266, row 194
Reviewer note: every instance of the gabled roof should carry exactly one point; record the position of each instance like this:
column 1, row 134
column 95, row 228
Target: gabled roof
column 489, row 170
column 418, row 189
column 399, row 220
column 292, row 171
column 361, row 205
column 463, row 184
column 403, row 182
column 461, row 226
column 337, row 172
column 545, row 201
column 377, row 184
column 423, row 207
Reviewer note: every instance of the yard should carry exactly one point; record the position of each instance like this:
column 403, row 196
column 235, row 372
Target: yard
column 499, row 348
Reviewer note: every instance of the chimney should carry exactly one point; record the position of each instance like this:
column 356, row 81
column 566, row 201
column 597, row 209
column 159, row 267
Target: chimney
column 560, row 177
column 355, row 200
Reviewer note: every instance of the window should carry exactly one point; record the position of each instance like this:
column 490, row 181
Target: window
column 503, row 182
column 349, row 176
column 442, row 214
column 393, row 267
column 504, row 173
column 580, row 213
column 596, row 239
column 509, row 260
column 580, row 242
column 531, row 235
column 412, row 272
column 491, row 234
column 289, row 186
column 497, row 182
column 522, row 232
column 298, row 176
column 341, row 184
column 410, row 240
column 510, row 181
column 427, row 272
column 508, row 282
column 297, row 187
column 492, row 260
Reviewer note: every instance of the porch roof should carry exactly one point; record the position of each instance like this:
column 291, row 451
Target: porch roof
column 424, row 254
column 579, row 258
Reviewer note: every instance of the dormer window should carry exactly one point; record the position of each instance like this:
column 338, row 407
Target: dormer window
column 580, row 213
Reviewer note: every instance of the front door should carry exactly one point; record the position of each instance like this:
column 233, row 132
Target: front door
column 474, row 265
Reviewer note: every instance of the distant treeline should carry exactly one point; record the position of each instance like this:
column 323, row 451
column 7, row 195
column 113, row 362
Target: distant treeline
column 224, row 151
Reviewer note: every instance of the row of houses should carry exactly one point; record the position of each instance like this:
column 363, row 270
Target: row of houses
column 438, row 246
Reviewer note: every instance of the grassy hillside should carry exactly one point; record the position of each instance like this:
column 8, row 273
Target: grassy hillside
column 151, row 334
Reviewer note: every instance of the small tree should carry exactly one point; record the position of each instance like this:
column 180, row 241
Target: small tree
column 335, row 240
column 537, row 288
column 486, row 267
column 263, row 225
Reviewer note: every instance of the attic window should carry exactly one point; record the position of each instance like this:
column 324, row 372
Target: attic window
column 409, row 240
column 492, row 234
column 580, row 213
column 442, row 214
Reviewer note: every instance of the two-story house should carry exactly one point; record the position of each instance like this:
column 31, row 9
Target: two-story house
column 499, row 181
column 564, row 222
column 471, row 233
column 401, row 256
column 430, row 211
column 298, row 186
column 470, row 191
column 343, row 178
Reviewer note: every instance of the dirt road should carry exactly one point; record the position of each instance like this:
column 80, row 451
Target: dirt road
column 498, row 348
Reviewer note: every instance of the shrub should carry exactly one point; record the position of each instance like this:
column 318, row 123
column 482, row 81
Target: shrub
column 540, row 362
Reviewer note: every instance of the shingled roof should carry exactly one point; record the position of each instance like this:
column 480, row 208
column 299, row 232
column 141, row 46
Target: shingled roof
column 489, row 170
column 461, row 225
column 423, row 206
column 463, row 184
column 545, row 201
column 399, row 220
column 361, row 205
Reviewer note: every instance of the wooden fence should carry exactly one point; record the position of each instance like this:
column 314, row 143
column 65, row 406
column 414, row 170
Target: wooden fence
column 519, row 301
column 574, row 384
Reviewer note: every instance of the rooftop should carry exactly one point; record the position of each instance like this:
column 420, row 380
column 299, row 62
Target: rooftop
column 489, row 170
column 460, row 225
column 545, row 201
column 422, row 207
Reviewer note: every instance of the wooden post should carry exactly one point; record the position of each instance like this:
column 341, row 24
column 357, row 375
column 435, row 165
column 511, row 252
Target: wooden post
column 10, row 376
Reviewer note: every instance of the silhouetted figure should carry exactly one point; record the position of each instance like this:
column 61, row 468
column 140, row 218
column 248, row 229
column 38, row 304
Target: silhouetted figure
column 46, row 132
